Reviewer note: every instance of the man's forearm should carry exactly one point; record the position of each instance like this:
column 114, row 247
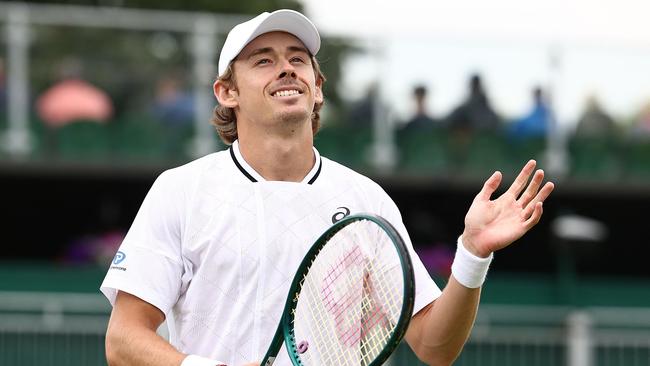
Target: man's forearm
column 441, row 330
column 133, row 345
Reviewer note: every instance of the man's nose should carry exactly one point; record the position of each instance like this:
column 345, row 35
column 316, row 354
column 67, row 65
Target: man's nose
column 287, row 71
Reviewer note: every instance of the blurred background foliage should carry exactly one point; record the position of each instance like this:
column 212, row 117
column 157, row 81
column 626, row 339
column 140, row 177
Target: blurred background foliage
column 121, row 68
column 223, row 7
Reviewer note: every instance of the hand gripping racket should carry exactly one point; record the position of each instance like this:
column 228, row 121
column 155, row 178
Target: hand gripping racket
column 351, row 299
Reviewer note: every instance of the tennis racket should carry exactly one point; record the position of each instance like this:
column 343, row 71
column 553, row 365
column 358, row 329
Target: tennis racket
column 351, row 299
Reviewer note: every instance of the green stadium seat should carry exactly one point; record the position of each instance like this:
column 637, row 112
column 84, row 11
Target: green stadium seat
column 636, row 159
column 519, row 151
column 83, row 141
column 138, row 140
column 486, row 152
column 594, row 159
column 423, row 152
column 330, row 143
column 176, row 141
column 345, row 145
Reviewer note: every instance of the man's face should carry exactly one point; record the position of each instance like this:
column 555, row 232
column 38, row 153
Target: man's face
column 275, row 81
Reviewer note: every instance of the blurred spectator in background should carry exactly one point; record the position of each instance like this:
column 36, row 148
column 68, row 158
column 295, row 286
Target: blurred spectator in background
column 173, row 108
column 641, row 126
column 537, row 122
column 3, row 90
column 595, row 122
column 475, row 113
column 173, row 104
column 362, row 112
column 474, row 116
column 72, row 99
column 421, row 120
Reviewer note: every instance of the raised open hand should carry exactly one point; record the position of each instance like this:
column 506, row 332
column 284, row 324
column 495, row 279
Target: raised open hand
column 491, row 225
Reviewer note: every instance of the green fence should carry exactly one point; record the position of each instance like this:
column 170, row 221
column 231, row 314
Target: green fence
column 38, row 328
column 52, row 329
column 514, row 335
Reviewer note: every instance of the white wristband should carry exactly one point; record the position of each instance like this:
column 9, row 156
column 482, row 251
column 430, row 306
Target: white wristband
column 469, row 269
column 194, row 360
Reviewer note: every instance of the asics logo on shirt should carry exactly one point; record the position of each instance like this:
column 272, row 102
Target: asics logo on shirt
column 339, row 215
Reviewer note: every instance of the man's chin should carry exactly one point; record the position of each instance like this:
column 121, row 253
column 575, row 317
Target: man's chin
column 297, row 116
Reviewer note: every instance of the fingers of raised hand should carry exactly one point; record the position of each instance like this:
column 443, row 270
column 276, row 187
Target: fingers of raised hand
column 521, row 180
column 543, row 193
column 540, row 197
column 537, row 210
column 533, row 187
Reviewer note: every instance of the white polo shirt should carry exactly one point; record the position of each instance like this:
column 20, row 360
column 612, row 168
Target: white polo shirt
column 214, row 246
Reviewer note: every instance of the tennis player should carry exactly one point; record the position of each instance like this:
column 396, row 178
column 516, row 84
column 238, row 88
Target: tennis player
column 215, row 244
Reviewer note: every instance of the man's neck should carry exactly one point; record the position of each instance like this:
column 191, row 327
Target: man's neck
column 277, row 158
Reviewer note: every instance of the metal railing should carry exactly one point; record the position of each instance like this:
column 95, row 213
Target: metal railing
column 68, row 329
column 512, row 335
column 52, row 329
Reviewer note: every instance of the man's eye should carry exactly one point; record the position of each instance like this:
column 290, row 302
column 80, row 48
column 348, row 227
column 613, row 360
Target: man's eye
column 262, row 61
column 297, row 59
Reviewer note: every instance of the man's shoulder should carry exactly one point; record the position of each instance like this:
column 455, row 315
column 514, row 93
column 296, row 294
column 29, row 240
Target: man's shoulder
column 198, row 166
column 186, row 177
column 342, row 173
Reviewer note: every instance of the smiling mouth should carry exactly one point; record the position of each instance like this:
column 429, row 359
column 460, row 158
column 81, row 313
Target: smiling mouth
column 286, row 93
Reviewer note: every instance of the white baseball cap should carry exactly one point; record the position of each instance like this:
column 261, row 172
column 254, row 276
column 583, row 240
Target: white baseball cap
column 284, row 20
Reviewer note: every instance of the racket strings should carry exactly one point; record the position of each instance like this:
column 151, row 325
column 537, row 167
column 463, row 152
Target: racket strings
column 351, row 298
column 380, row 301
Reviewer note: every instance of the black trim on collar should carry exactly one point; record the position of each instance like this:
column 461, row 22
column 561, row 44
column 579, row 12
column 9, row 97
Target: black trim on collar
column 252, row 179
column 320, row 165
column 234, row 159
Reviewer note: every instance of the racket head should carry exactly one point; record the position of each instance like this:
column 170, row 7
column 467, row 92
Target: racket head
column 351, row 300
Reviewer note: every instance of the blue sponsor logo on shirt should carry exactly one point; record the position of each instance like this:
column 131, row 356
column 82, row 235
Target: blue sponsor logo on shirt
column 119, row 257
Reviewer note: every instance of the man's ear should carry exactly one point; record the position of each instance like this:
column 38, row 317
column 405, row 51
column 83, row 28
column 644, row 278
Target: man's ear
column 318, row 94
column 226, row 95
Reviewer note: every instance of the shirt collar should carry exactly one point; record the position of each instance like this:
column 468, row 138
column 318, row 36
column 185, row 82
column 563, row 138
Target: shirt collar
column 254, row 176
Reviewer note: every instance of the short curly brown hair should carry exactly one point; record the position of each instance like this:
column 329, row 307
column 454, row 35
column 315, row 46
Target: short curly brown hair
column 225, row 120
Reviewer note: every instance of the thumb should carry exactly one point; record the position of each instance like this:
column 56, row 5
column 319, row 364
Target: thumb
column 490, row 185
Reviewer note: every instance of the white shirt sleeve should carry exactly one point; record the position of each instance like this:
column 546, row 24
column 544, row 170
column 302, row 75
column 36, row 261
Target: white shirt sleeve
column 149, row 263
